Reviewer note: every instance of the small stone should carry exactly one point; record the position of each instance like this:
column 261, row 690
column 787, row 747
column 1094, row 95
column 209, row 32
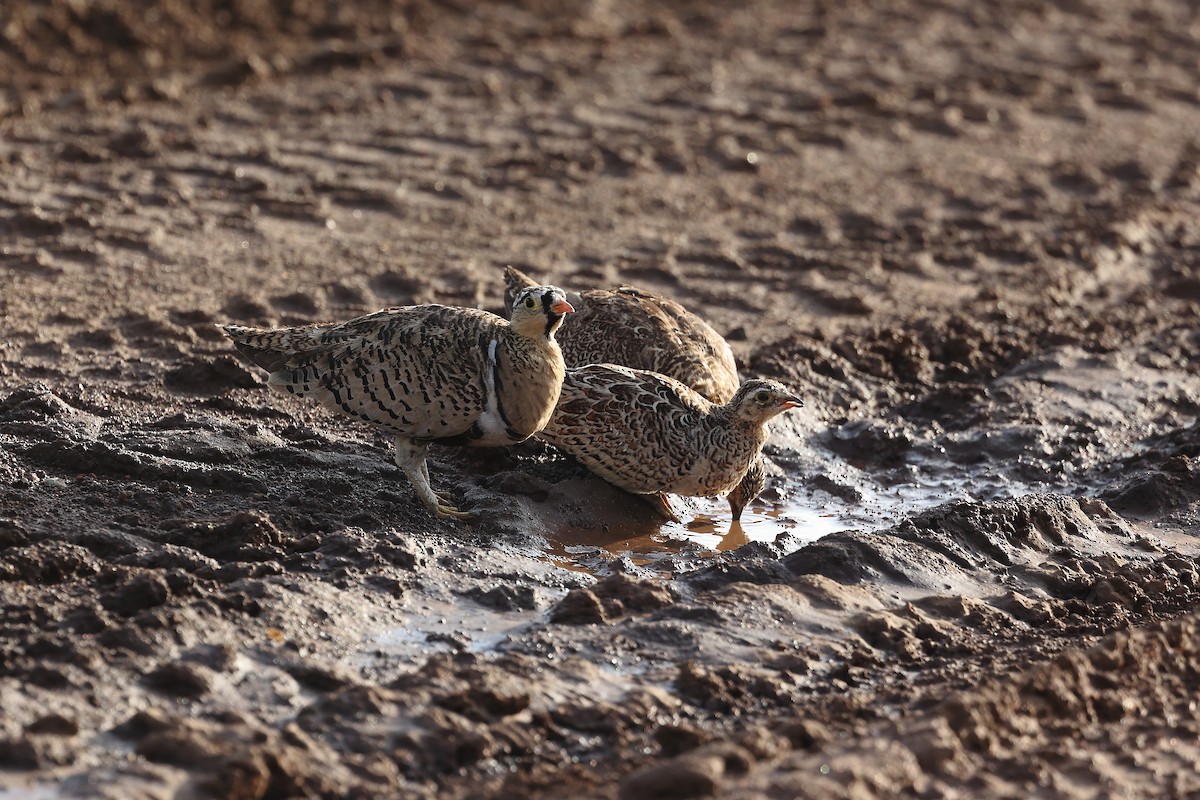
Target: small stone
column 54, row 725
column 805, row 734
column 506, row 598
column 143, row 592
column 678, row 739
column 144, row 723
column 580, row 607
column 181, row 679
column 684, row 777
column 764, row 744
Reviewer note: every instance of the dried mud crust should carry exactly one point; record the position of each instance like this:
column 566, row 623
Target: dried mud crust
column 967, row 234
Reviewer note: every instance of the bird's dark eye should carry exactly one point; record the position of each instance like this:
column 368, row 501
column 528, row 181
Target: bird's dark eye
column 529, row 302
column 762, row 397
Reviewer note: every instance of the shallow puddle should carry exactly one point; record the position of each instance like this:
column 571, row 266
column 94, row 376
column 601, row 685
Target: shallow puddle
column 452, row 627
column 32, row 791
column 706, row 524
column 708, row 528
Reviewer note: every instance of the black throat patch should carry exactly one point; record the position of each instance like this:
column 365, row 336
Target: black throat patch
column 552, row 319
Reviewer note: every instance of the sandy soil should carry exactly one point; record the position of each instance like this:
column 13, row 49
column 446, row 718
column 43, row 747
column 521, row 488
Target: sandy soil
column 968, row 233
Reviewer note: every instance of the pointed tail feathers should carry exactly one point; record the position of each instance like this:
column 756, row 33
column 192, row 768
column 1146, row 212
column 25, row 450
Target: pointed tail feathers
column 274, row 349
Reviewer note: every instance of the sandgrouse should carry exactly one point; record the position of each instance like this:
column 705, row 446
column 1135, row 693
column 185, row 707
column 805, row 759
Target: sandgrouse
column 426, row 374
column 634, row 328
column 650, row 434
column 642, row 330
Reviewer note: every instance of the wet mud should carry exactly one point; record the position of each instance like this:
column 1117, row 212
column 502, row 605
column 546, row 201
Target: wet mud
column 967, row 234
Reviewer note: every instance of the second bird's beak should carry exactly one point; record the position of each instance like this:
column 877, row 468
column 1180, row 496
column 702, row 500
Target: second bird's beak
column 562, row 307
column 792, row 401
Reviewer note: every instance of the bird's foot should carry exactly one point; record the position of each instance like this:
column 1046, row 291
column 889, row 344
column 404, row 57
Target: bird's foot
column 662, row 504
column 410, row 457
column 444, row 509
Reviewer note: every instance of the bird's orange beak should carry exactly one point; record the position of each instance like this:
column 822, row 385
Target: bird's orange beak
column 562, row 307
column 791, row 402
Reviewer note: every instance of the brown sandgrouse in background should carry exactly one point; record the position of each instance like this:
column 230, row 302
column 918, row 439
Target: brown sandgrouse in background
column 642, row 330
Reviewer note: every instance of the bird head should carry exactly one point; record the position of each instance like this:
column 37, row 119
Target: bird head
column 759, row 400
column 539, row 310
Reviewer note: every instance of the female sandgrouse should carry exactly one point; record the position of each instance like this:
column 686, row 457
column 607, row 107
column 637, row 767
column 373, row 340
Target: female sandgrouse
column 427, row 374
column 650, row 434
column 634, row 328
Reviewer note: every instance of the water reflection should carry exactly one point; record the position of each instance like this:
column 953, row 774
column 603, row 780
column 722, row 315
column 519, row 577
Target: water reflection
column 645, row 540
column 648, row 541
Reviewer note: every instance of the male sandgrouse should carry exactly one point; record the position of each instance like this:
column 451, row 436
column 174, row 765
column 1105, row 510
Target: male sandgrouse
column 639, row 329
column 650, row 434
column 426, row 374
column 642, row 330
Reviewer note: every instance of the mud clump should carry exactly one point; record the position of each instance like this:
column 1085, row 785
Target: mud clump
column 608, row 600
column 1083, row 695
column 142, row 592
column 49, row 563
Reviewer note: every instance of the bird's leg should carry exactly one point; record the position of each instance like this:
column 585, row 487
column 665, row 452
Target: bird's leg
column 748, row 489
column 410, row 457
column 735, row 509
column 443, row 496
column 662, row 505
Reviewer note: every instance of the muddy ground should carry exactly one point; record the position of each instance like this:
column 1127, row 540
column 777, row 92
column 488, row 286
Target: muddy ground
column 968, row 233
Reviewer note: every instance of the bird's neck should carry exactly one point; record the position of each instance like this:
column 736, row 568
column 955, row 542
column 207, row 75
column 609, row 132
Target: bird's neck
column 734, row 426
column 727, row 416
column 531, row 372
column 738, row 442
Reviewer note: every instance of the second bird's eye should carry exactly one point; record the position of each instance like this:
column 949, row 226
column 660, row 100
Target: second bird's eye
column 762, row 397
column 529, row 302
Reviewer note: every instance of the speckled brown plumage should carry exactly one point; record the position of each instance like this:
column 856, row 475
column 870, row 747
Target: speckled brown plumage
column 426, row 373
column 643, row 330
column 650, row 434
column 750, row 487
